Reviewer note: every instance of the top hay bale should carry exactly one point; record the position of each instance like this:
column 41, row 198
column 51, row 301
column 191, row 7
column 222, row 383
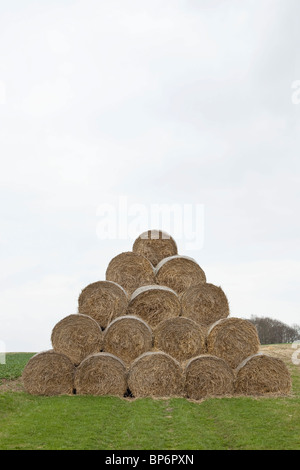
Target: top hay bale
column 205, row 304
column 155, row 245
column 179, row 273
column 77, row 336
column 130, row 271
column 104, row 301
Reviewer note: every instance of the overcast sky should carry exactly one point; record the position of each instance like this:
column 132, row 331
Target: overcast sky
column 138, row 103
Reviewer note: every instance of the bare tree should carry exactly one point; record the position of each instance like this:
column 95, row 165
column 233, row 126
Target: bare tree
column 271, row 331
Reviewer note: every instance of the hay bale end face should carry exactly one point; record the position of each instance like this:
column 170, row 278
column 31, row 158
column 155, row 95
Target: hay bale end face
column 205, row 304
column 155, row 374
column 155, row 245
column 77, row 336
column 101, row 374
column 262, row 375
column 103, row 301
column 49, row 373
column 130, row 271
column 127, row 338
column 154, row 304
column 179, row 273
column 181, row 338
column 232, row 339
column 208, row 376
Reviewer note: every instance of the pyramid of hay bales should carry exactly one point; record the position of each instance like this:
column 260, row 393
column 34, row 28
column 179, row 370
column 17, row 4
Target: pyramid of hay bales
column 154, row 327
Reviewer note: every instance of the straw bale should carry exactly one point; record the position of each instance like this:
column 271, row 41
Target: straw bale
column 154, row 304
column 179, row 273
column 104, row 301
column 155, row 245
column 77, row 336
column 130, row 271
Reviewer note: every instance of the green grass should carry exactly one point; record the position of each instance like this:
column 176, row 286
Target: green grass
column 87, row 422
column 15, row 363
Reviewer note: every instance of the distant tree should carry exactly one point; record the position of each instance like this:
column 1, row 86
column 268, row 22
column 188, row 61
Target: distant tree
column 271, row 331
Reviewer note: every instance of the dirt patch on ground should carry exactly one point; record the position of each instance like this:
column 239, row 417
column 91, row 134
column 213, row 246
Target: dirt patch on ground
column 15, row 385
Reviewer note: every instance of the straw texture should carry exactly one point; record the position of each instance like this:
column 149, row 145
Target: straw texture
column 181, row 338
column 262, row 375
column 103, row 301
column 130, row 271
column 179, row 273
column 77, row 336
column 128, row 337
column 155, row 245
column 101, row 374
column 207, row 376
column 154, row 304
column 205, row 304
column 232, row 339
column 155, row 374
column 49, row 373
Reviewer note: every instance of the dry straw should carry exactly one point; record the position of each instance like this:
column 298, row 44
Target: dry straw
column 155, row 374
column 104, row 301
column 232, row 339
column 180, row 337
column 130, row 271
column 207, row 376
column 262, row 375
column 154, row 304
column 155, row 245
column 205, row 304
column 127, row 338
column 101, row 374
column 49, row 373
column 179, row 273
column 77, row 336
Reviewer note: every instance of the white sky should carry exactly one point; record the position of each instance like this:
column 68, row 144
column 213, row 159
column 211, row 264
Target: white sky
column 149, row 102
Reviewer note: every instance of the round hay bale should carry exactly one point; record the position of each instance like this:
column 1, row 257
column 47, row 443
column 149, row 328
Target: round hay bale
column 101, row 374
column 181, row 338
column 205, row 304
column 207, row 376
column 179, row 273
column 49, row 373
column 77, row 336
column 127, row 338
column 262, row 375
column 130, row 271
column 232, row 339
column 155, row 374
column 103, row 301
column 155, row 245
column 154, row 304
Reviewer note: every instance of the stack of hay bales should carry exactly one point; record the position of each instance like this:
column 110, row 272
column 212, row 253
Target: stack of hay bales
column 154, row 327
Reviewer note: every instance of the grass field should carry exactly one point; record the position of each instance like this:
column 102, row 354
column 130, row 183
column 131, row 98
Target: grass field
column 87, row 422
